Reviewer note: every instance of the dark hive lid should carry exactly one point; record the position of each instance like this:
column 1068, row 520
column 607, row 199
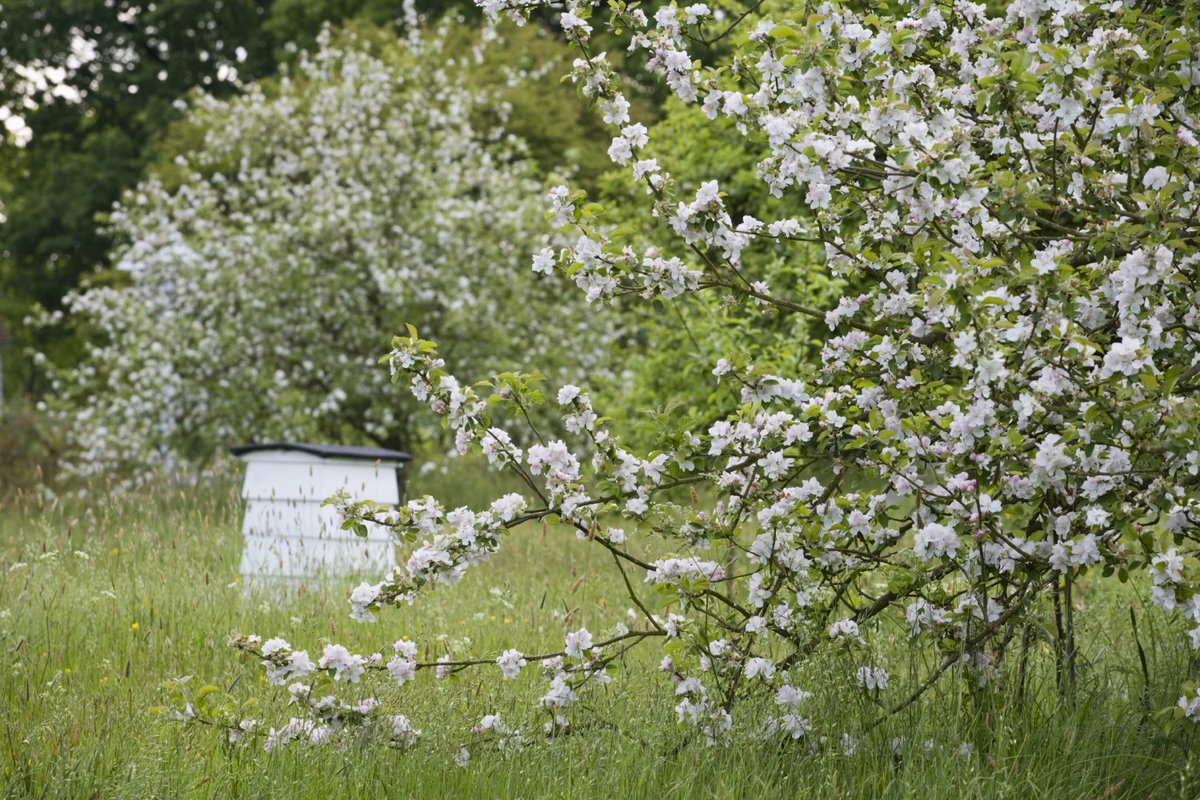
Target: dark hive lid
column 326, row 451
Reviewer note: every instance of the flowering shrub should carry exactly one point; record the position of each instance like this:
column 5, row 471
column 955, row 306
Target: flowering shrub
column 1005, row 406
column 351, row 197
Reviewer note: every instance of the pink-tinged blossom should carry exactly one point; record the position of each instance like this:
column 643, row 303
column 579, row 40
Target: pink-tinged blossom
column 758, row 667
column 673, row 570
column 872, row 678
column 345, row 665
column 1155, row 178
column 579, row 643
column 935, row 541
column 510, row 663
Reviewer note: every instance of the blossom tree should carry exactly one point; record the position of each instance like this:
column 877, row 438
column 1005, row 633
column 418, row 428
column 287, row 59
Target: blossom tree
column 1005, row 406
column 364, row 190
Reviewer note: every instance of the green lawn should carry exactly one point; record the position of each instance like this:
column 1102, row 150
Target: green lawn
column 89, row 640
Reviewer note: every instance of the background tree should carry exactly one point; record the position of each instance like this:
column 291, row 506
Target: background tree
column 90, row 88
column 351, row 197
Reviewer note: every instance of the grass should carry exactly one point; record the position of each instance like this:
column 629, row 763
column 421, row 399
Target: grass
column 88, row 642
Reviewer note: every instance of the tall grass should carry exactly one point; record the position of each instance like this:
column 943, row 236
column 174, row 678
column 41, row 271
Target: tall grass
column 89, row 639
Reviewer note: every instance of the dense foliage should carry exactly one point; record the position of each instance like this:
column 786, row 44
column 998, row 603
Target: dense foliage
column 355, row 194
column 671, row 386
column 1005, row 407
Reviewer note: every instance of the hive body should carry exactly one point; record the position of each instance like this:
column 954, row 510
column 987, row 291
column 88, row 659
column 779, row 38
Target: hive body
column 289, row 534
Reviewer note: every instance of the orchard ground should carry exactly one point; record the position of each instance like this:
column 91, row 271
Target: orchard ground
column 104, row 600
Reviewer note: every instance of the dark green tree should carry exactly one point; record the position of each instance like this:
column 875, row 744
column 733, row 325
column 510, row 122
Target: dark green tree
column 94, row 83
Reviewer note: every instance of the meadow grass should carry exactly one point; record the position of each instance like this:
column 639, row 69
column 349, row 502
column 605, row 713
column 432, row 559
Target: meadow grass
column 90, row 639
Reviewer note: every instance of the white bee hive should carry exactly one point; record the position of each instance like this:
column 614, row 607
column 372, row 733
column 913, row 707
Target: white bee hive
column 289, row 534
